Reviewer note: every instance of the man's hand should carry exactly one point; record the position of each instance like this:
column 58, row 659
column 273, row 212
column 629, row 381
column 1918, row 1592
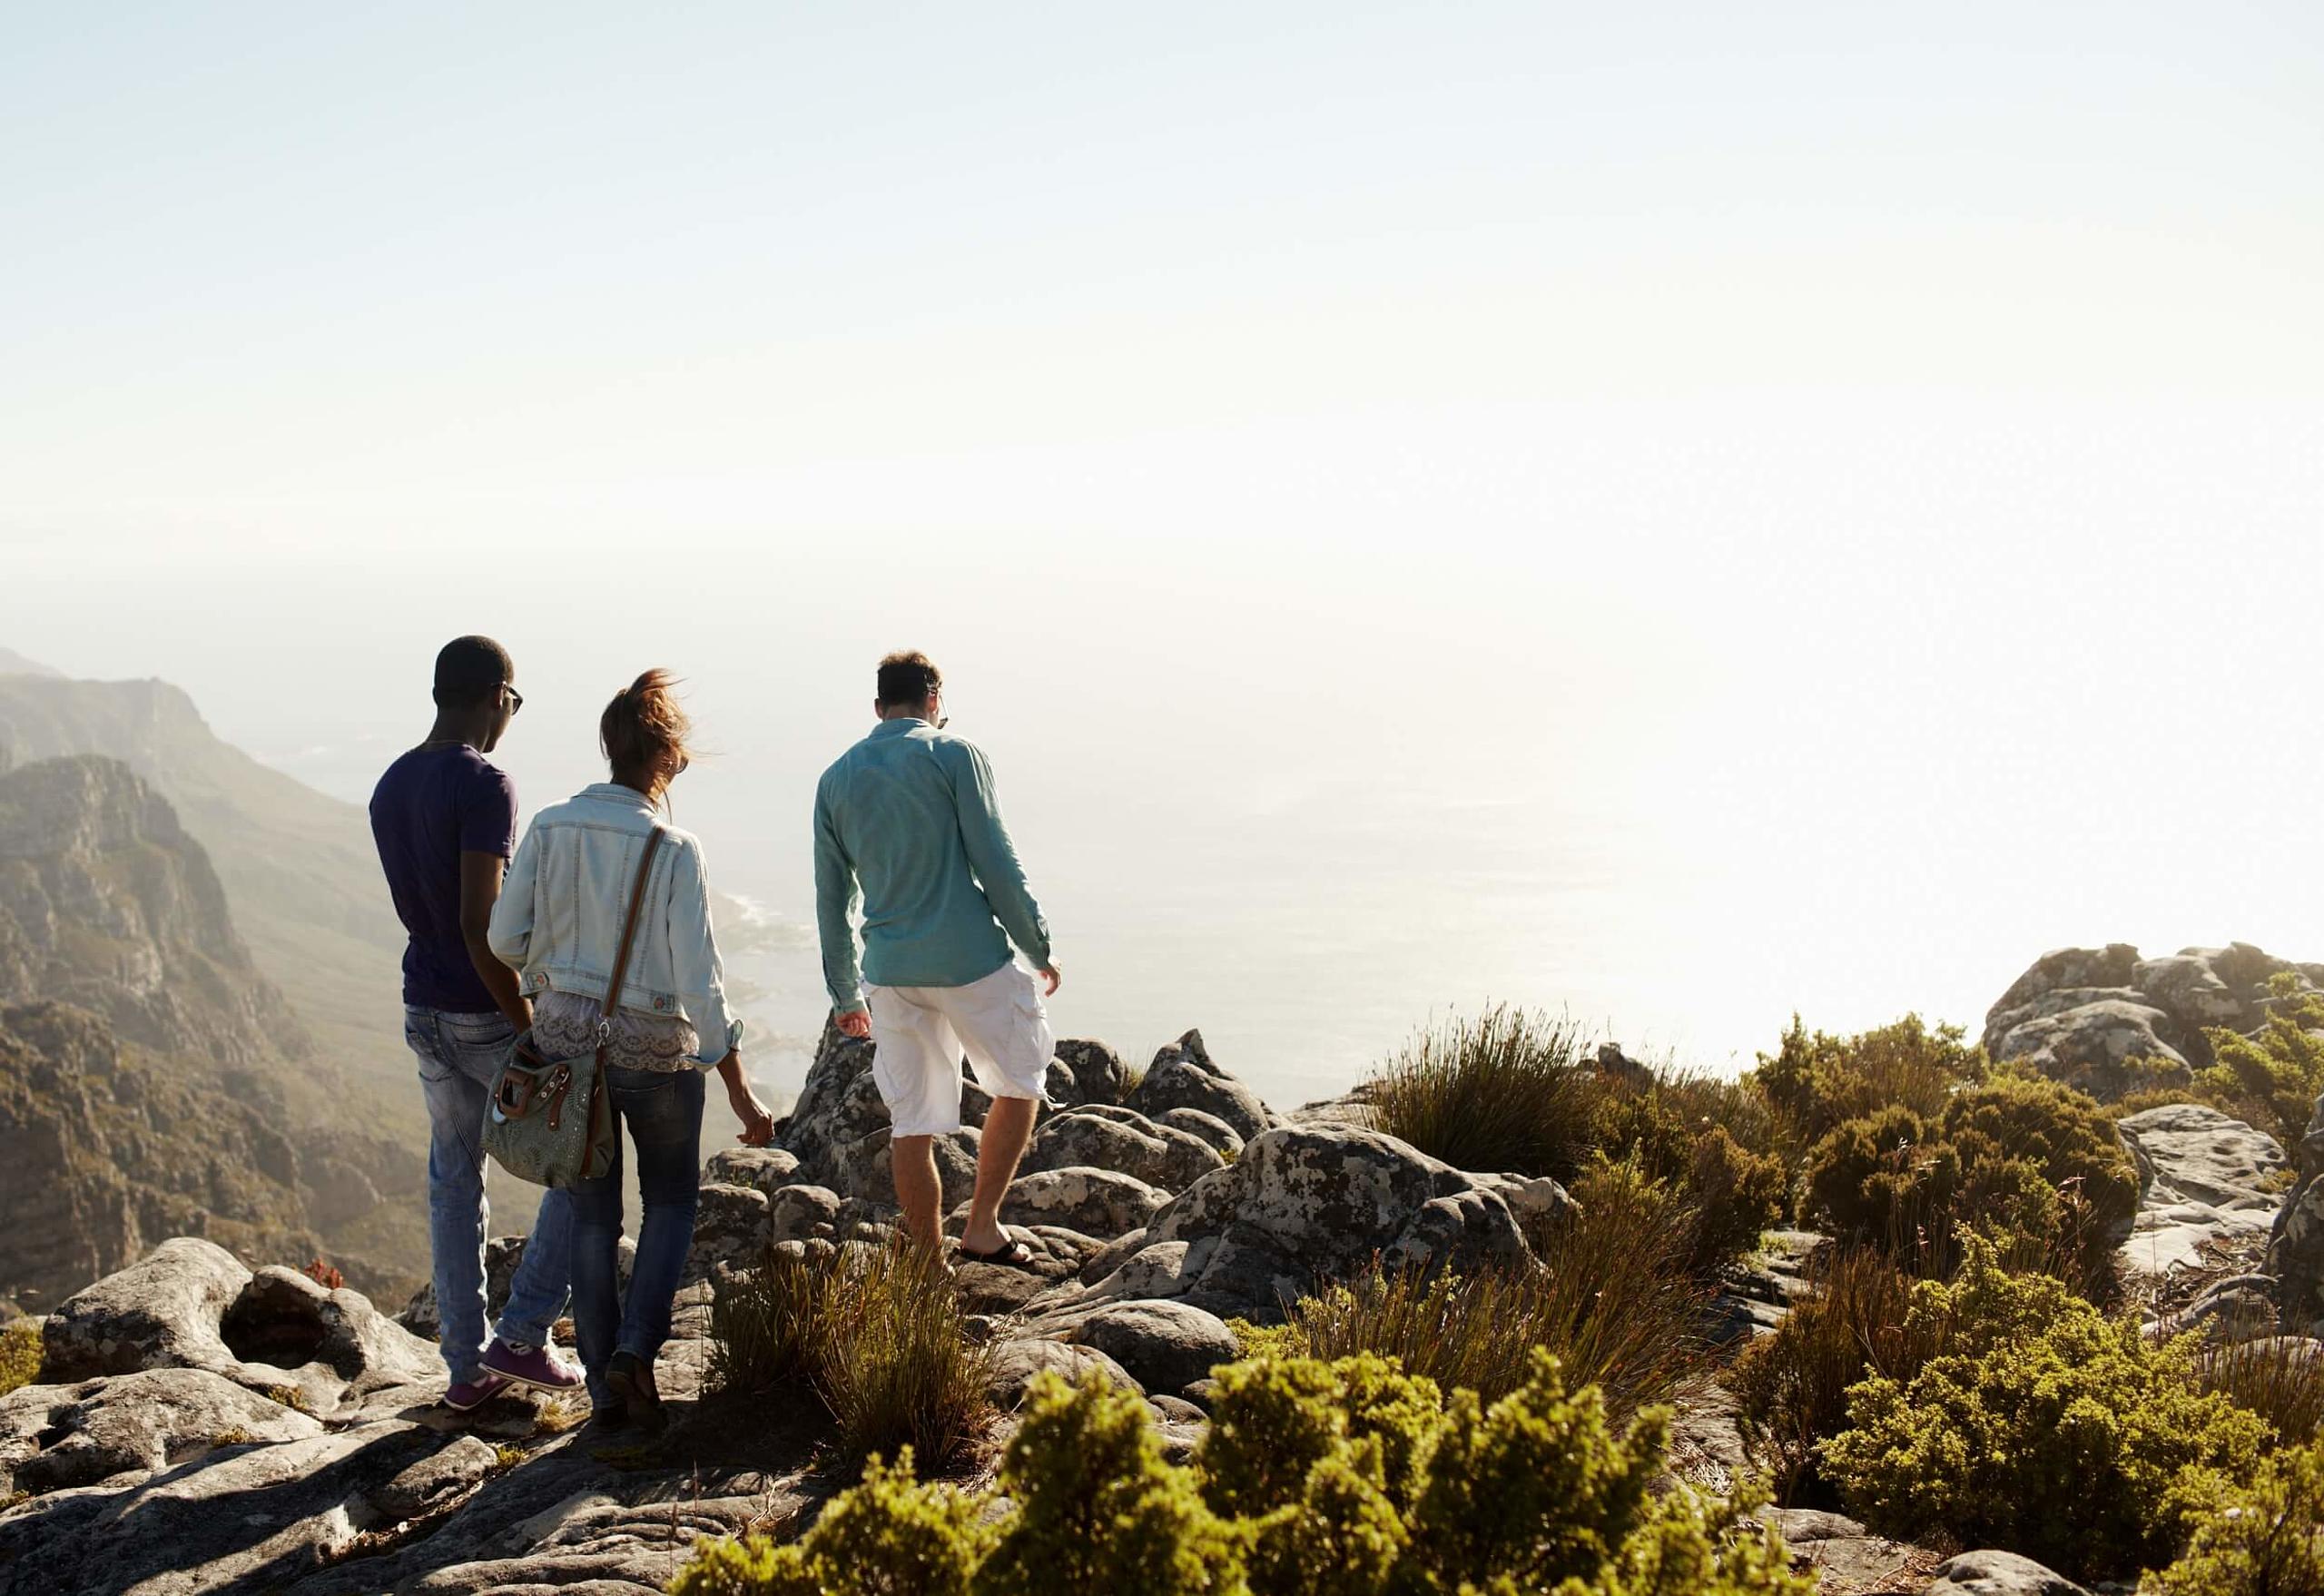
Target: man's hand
column 855, row 1022
column 1054, row 980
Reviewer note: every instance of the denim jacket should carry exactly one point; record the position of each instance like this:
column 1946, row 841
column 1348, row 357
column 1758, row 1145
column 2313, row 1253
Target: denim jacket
column 558, row 922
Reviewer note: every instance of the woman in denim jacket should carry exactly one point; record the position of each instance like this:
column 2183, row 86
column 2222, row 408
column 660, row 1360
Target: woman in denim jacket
column 559, row 923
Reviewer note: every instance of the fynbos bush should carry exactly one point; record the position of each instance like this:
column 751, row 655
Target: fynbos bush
column 2041, row 1427
column 1347, row 1478
column 1509, row 1090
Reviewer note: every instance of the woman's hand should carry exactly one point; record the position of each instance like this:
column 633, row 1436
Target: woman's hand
column 758, row 1119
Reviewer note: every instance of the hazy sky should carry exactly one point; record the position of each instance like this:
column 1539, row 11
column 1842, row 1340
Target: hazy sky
column 1683, row 512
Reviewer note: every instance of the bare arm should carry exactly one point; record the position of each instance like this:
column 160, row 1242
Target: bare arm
column 479, row 890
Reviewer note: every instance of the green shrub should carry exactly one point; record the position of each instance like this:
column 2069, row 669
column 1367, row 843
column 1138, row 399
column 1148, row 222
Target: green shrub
column 1508, row 1091
column 20, row 1355
column 1342, row 1479
column 1612, row 1298
column 1791, row 1388
column 1728, row 1195
column 1817, row 1083
column 2273, row 1080
column 2266, row 1540
column 880, row 1337
column 2040, row 1428
column 2029, row 1163
column 889, row 1535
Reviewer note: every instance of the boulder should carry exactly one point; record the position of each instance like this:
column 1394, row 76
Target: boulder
column 2204, row 1177
column 1183, row 1076
column 794, row 1213
column 1305, row 1202
column 1098, row 1074
column 56, row 1437
column 2110, row 966
column 1998, row 1573
column 763, row 1169
column 838, row 1105
column 1168, row 1346
column 2106, row 1046
column 731, row 1226
column 865, row 1168
column 163, row 1312
column 284, row 1320
column 1095, row 1202
column 432, row 1483
column 1128, row 1143
column 1223, row 1138
column 2203, row 988
column 1112, row 1257
column 1016, row 1362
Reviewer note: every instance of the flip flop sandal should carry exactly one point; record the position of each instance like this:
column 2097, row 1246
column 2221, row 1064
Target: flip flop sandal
column 1015, row 1255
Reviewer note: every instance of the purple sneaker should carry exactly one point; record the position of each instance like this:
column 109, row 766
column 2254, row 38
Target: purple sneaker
column 536, row 1366
column 467, row 1395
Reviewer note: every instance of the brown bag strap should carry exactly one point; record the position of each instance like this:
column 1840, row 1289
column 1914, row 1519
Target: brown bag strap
column 628, row 935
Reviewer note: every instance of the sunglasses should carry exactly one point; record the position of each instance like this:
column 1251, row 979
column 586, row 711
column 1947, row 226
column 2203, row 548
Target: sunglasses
column 516, row 699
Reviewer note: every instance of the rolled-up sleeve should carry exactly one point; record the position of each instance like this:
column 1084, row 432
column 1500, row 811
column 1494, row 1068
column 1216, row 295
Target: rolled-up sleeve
column 510, row 933
column 694, row 955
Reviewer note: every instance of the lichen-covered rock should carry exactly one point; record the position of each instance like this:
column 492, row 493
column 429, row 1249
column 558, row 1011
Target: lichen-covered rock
column 795, row 1213
column 838, row 1105
column 56, row 1437
column 1098, row 1074
column 865, row 1169
column 1095, row 1202
column 762, row 1168
column 730, row 1226
column 1168, row 1346
column 1998, row 1573
column 1016, row 1361
column 432, row 1483
column 163, row 1312
column 1124, row 1141
column 1223, row 1138
column 2107, row 1044
column 1306, row 1201
column 2204, row 1177
column 1183, row 1076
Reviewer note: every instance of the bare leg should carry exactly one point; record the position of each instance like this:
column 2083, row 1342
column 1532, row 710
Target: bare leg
column 1008, row 1127
column 918, row 1191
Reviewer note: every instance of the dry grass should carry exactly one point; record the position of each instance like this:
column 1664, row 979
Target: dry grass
column 2279, row 1377
column 878, row 1334
column 1792, row 1386
column 1509, row 1090
column 1612, row 1299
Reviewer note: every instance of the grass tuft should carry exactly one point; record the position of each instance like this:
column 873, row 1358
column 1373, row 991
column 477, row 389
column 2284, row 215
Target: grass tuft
column 2279, row 1377
column 1509, row 1090
column 878, row 1334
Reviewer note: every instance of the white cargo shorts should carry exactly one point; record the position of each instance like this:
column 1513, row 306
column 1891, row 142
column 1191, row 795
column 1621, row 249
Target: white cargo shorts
column 919, row 1033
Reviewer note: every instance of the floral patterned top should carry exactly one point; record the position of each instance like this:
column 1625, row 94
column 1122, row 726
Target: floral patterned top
column 566, row 1024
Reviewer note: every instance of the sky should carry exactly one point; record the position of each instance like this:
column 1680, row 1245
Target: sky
column 1678, row 515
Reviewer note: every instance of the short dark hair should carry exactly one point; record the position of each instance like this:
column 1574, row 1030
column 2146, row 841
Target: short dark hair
column 909, row 677
column 469, row 670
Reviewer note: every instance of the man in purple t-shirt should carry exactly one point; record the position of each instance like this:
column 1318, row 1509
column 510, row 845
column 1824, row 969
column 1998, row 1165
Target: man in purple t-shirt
column 445, row 819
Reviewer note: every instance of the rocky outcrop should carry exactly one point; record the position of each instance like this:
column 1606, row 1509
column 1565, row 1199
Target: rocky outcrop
column 1998, row 1573
column 2107, row 1022
column 1184, row 1076
column 2205, row 1178
column 1166, row 1345
column 1309, row 1202
column 1121, row 1140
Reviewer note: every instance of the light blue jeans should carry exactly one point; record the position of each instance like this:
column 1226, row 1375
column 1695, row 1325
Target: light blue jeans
column 459, row 1055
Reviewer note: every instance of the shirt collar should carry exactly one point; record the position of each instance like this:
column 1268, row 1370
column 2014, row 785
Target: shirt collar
column 897, row 728
column 614, row 793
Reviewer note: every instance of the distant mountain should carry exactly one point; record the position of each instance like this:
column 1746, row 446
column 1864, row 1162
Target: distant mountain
column 13, row 664
column 149, row 1072
column 298, row 866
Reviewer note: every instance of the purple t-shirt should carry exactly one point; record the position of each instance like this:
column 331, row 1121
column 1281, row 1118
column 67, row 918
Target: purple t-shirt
column 433, row 805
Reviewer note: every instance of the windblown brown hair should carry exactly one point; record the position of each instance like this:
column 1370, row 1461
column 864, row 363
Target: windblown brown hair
column 643, row 723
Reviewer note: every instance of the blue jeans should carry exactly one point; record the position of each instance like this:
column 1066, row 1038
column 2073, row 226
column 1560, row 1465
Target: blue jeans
column 663, row 1112
column 459, row 1054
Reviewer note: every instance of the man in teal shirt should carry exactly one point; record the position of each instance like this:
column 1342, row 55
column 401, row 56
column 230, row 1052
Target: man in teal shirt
column 907, row 827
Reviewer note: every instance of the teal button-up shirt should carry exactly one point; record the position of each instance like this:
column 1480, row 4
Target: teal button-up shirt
column 907, row 827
